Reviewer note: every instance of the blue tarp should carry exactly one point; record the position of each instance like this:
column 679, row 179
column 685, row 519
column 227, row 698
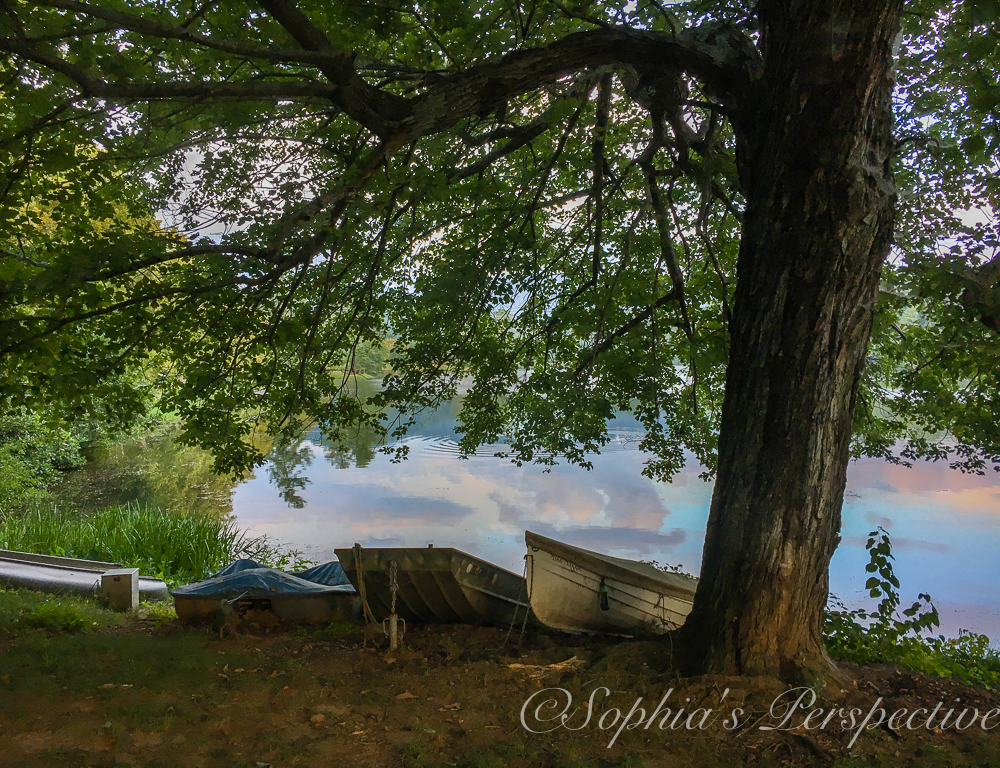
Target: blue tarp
column 236, row 566
column 246, row 578
column 332, row 574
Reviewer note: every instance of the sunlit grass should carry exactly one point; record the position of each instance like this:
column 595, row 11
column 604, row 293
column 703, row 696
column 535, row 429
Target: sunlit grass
column 175, row 546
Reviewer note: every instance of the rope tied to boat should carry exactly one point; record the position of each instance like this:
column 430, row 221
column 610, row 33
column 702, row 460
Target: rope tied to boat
column 366, row 610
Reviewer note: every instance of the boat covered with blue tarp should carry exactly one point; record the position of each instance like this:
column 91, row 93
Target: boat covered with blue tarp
column 318, row 594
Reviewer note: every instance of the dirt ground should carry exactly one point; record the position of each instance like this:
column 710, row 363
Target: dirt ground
column 142, row 694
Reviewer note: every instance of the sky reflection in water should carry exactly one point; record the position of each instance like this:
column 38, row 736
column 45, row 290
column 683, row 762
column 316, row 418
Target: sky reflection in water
column 945, row 526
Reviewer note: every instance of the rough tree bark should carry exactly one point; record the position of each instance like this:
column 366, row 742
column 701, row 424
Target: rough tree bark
column 813, row 151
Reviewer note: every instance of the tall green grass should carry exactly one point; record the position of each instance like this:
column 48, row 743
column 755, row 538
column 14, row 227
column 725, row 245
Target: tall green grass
column 177, row 547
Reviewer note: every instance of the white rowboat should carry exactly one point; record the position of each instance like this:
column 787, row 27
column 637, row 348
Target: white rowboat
column 578, row 590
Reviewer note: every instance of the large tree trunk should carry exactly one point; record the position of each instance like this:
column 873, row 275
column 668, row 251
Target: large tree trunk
column 814, row 152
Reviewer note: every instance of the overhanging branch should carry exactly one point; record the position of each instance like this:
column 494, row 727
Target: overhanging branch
column 720, row 56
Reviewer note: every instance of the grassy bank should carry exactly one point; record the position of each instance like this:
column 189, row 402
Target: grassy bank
column 175, row 546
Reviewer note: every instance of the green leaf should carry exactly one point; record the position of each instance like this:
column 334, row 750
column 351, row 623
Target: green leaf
column 974, row 145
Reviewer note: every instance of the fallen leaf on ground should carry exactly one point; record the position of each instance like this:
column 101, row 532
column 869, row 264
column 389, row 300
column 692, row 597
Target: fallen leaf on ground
column 405, row 695
column 317, row 719
column 450, row 707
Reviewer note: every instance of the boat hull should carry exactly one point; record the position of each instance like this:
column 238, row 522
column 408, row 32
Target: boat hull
column 245, row 585
column 438, row 585
column 577, row 590
column 304, row 609
column 66, row 576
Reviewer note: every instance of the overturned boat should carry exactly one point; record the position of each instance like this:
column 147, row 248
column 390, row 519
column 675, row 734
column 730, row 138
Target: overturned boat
column 66, row 575
column 320, row 594
column 577, row 590
column 435, row 585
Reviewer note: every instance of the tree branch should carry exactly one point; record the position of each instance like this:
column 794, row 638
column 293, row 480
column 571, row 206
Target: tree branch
column 721, row 56
column 600, row 129
column 982, row 292
column 666, row 244
column 93, row 87
column 611, row 338
column 377, row 110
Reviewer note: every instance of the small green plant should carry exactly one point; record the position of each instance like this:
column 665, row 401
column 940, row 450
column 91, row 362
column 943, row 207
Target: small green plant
column 890, row 636
column 161, row 612
column 885, row 626
column 338, row 630
column 58, row 617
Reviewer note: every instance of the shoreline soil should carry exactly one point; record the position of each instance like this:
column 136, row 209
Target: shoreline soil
column 140, row 691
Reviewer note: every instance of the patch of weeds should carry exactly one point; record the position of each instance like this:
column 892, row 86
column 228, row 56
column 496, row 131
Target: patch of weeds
column 485, row 760
column 162, row 613
column 416, row 752
column 149, row 715
column 628, row 761
column 889, row 636
column 337, row 630
column 58, row 617
column 23, row 609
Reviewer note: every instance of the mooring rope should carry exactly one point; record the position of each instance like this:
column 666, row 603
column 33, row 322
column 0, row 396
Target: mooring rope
column 362, row 591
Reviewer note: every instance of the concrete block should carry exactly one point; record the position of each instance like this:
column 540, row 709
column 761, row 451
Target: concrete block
column 120, row 588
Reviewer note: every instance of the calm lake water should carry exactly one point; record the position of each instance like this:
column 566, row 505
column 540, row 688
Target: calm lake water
column 945, row 526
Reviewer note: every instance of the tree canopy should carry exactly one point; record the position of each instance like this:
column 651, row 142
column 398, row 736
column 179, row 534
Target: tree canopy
column 542, row 198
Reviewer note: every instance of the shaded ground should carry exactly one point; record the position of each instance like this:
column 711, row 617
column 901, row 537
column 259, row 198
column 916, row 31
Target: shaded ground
column 137, row 693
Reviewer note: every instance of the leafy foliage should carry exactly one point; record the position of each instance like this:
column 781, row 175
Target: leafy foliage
column 36, row 450
column 31, row 455
column 884, row 636
column 553, row 242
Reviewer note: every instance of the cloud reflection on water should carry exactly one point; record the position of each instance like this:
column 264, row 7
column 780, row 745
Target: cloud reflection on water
column 945, row 526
